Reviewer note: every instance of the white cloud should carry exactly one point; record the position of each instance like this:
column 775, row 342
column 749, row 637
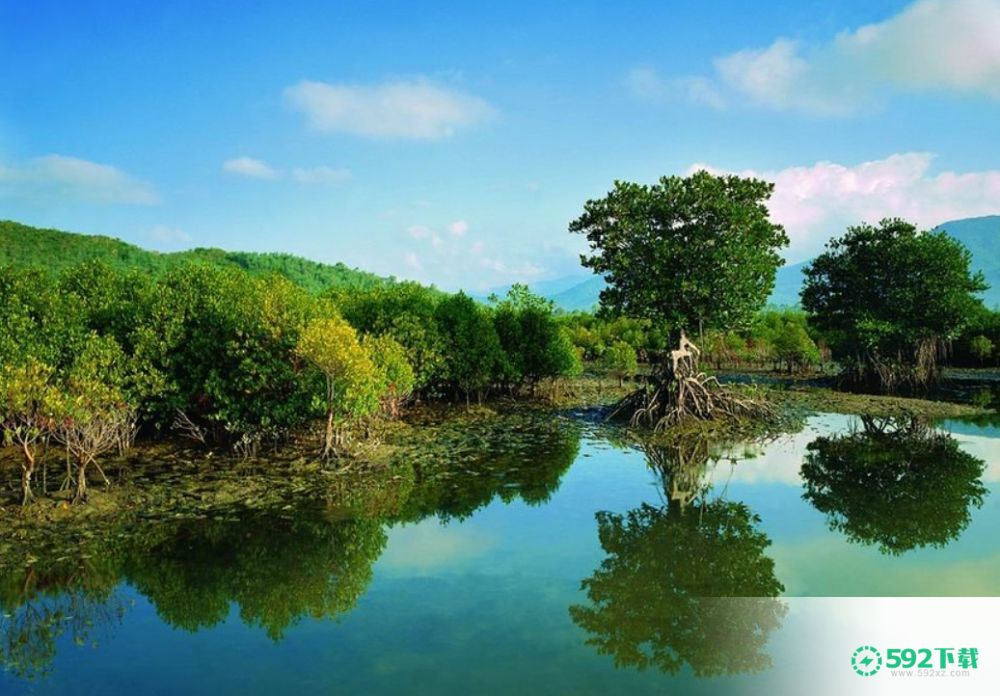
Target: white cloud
column 62, row 178
column 523, row 271
column 458, row 228
column 819, row 201
column 412, row 261
column 163, row 234
column 250, row 167
column 415, row 109
column 418, row 231
column 778, row 77
column 437, row 242
column 944, row 45
column 646, row 83
column 327, row 176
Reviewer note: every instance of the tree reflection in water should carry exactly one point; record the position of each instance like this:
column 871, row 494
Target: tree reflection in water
column 471, row 463
column 897, row 483
column 74, row 598
column 277, row 568
column 687, row 582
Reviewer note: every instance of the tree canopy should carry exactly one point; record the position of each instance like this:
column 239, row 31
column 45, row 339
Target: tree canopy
column 696, row 251
column 888, row 297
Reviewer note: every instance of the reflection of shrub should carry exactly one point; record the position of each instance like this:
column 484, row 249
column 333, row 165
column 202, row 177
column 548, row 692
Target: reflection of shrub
column 277, row 570
column 898, row 485
column 44, row 603
column 464, row 464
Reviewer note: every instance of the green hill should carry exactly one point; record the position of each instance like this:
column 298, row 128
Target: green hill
column 55, row 249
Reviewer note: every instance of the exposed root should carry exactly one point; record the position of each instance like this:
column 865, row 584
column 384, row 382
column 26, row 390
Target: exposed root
column 662, row 404
column 681, row 393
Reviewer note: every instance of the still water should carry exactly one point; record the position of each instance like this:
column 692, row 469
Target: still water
column 558, row 560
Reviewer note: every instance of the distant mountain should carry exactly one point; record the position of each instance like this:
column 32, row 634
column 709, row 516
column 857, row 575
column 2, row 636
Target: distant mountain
column 787, row 283
column 545, row 288
column 582, row 296
column 569, row 293
column 55, row 249
column 980, row 235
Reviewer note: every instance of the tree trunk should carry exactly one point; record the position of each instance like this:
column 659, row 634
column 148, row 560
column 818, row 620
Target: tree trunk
column 81, row 483
column 27, row 469
column 328, row 440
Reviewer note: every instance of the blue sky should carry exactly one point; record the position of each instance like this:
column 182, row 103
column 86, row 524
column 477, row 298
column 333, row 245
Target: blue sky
column 453, row 142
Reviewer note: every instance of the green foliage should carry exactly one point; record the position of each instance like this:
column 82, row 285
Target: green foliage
column 592, row 334
column 407, row 313
column 36, row 319
column 981, row 347
column 619, row 359
column 690, row 252
column 29, row 409
column 396, row 380
column 534, row 347
column 887, row 297
column 228, row 345
column 29, row 401
column 474, row 351
column 96, row 383
column 353, row 381
column 95, row 415
column 783, row 336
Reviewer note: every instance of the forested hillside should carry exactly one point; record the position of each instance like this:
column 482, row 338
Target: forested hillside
column 54, row 250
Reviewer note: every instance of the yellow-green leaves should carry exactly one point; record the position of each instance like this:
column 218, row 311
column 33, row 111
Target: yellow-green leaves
column 28, row 401
column 395, row 375
column 332, row 347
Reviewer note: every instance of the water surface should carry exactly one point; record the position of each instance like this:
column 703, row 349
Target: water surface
column 552, row 560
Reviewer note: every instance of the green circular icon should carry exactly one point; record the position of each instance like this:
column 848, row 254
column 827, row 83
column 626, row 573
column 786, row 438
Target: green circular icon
column 866, row 660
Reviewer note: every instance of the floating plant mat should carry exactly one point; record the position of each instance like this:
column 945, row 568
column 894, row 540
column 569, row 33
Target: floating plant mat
column 433, row 464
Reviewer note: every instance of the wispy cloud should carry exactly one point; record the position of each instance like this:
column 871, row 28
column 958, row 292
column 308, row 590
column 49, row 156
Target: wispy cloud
column 458, row 228
column 931, row 45
column 412, row 261
column 166, row 235
column 818, row 201
column 645, row 83
column 418, row 231
column 327, row 176
column 414, row 109
column 56, row 178
column 250, row 167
